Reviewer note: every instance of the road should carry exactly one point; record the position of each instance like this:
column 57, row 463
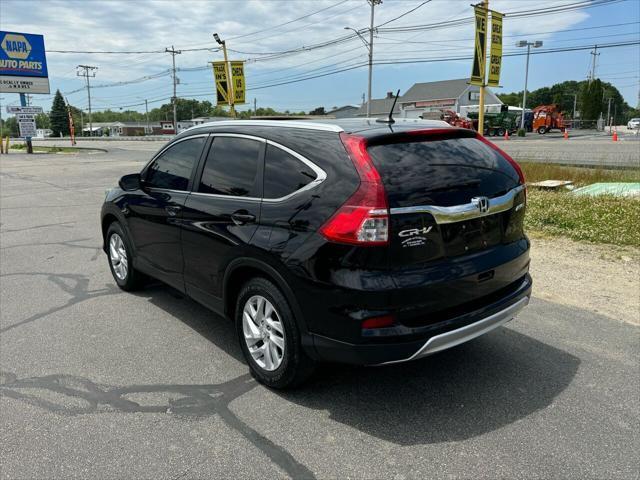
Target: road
column 98, row 383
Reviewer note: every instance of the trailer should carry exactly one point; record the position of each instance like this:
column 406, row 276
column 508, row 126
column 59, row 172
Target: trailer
column 497, row 124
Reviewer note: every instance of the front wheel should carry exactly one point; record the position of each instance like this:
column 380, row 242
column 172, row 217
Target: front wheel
column 269, row 336
column 120, row 259
column 542, row 130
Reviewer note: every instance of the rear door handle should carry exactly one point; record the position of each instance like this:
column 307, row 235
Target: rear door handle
column 242, row 216
column 173, row 210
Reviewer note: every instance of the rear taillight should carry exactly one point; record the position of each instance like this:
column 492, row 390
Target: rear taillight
column 364, row 217
column 508, row 158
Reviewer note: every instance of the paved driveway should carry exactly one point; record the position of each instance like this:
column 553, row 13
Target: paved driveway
column 98, row 383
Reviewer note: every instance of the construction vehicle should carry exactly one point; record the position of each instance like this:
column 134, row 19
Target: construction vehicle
column 449, row 116
column 455, row 120
column 548, row 117
column 497, row 124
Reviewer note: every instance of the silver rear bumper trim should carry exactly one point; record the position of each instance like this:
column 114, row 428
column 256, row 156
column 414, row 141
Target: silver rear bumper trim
column 466, row 211
column 466, row 333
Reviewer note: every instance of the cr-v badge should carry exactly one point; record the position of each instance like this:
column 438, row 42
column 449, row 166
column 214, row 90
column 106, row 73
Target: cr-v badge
column 412, row 236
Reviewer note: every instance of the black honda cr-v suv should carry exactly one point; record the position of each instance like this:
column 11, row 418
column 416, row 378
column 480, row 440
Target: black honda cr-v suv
column 355, row 241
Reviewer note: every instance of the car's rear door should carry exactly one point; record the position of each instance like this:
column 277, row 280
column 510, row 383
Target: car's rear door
column 457, row 210
column 222, row 212
column 154, row 217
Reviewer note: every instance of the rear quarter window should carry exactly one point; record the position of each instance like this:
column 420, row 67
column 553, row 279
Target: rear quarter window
column 284, row 173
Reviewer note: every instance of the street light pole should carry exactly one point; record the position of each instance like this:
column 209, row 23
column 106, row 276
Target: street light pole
column 524, row 43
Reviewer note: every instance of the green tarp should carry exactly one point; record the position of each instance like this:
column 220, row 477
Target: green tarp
column 627, row 189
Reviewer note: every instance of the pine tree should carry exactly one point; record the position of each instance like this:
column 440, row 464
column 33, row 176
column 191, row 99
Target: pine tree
column 58, row 116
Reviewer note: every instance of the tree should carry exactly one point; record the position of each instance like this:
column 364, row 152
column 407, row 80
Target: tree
column 58, row 116
column 591, row 96
column 591, row 101
column 9, row 127
column 317, row 111
column 42, row 120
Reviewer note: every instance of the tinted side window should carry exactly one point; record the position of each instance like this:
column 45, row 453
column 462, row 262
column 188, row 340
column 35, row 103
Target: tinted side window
column 232, row 167
column 172, row 169
column 284, row 173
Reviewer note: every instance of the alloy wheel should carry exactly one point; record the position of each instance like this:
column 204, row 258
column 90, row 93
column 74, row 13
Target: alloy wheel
column 118, row 257
column 263, row 332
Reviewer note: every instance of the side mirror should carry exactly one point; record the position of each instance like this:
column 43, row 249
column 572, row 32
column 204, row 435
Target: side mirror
column 130, row 182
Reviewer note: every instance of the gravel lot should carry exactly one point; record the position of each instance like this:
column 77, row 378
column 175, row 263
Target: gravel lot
column 97, row 383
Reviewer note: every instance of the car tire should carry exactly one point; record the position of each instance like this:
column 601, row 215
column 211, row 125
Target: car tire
column 542, row 130
column 501, row 132
column 119, row 253
column 269, row 336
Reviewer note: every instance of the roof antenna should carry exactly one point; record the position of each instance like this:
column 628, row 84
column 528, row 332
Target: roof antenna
column 390, row 119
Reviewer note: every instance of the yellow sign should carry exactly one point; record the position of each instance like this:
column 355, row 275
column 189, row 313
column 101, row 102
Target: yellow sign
column 495, row 63
column 16, row 46
column 220, row 76
column 480, row 55
column 237, row 74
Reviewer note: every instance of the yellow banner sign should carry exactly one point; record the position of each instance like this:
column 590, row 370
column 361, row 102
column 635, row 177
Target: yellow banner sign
column 480, row 52
column 237, row 74
column 220, row 76
column 496, row 49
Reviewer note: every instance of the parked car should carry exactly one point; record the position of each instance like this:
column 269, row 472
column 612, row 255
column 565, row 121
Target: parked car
column 356, row 241
column 634, row 124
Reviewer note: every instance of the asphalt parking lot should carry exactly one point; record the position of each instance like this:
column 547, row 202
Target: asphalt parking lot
column 98, row 383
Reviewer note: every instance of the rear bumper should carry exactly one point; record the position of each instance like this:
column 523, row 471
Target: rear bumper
column 441, row 336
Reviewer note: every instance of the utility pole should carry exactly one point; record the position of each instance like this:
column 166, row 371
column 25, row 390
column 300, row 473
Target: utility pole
column 146, row 109
column 87, row 71
column 595, row 55
column 609, row 114
column 174, row 99
column 369, row 45
column 255, row 107
column 373, row 9
column 81, row 123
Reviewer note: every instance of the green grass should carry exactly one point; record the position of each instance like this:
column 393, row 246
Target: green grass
column 536, row 172
column 601, row 219
column 23, row 146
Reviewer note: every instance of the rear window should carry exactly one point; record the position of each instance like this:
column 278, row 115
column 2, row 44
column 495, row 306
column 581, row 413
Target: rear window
column 441, row 172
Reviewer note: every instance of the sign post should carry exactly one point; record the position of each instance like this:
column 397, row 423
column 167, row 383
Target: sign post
column 23, row 69
column 229, row 92
column 479, row 71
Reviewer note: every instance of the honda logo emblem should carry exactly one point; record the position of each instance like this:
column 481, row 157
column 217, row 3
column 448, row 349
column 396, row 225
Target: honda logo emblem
column 482, row 203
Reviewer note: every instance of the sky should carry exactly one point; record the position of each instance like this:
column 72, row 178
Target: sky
column 255, row 29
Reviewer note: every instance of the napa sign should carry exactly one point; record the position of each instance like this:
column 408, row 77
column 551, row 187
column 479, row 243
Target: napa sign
column 23, row 63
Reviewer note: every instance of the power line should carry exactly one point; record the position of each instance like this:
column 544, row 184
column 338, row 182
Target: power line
column 402, row 15
column 289, row 22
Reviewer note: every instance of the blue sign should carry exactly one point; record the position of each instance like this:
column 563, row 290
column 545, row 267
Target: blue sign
column 22, row 55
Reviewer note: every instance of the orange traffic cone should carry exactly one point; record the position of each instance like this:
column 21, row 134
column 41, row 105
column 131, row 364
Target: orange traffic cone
column 566, row 134
column 506, row 134
column 615, row 136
